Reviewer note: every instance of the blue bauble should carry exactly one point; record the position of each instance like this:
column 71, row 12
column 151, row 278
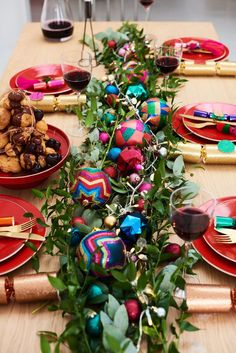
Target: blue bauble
column 94, row 291
column 111, row 89
column 108, row 118
column 76, row 237
column 93, row 325
column 114, row 153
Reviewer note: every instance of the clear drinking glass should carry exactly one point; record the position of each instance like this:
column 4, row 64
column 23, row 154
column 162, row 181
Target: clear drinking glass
column 191, row 212
column 57, row 20
column 77, row 68
column 146, row 4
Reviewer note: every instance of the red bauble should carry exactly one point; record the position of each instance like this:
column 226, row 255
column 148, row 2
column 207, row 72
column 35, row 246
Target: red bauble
column 140, row 205
column 111, row 44
column 133, row 309
column 173, row 249
column 112, row 99
column 77, row 220
column 111, row 171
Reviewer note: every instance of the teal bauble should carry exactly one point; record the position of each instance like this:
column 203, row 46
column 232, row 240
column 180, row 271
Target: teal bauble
column 93, row 325
column 108, row 118
column 94, row 291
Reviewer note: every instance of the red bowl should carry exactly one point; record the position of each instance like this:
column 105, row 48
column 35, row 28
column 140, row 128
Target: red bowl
column 23, row 181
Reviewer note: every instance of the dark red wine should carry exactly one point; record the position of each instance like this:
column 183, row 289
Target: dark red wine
column 167, row 64
column 57, row 30
column 77, row 80
column 190, row 223
column 146, row 3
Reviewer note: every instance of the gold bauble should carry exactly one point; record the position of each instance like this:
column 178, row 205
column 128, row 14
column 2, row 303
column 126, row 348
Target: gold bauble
column 110, row 221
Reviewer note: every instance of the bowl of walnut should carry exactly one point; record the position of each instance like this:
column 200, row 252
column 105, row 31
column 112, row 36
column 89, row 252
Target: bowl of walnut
column 30, row 149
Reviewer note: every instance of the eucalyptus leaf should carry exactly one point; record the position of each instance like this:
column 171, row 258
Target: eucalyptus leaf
column 121, row 319
column 178, row 166
column 105, row 320
column 112, row 306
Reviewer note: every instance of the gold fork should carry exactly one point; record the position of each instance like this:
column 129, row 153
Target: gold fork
column 20, row 227
column 198, row 125
column 224, row 239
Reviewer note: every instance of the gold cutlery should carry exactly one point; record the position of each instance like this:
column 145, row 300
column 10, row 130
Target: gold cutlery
column 198, row 118
column 22, row 235
column 199, row 125
column 19, row 227
column 226, row 231
column 225, row 239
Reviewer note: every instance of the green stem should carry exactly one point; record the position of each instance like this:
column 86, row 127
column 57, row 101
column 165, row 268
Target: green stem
column 110, row 142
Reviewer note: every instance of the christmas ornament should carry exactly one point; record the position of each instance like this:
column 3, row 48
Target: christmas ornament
column 154, row 112
column 129, row 159
column 140, row 205
column 162, row 152
column 122, row 52
column 114, row 153
column 76, row 219
column 111, row 44
column 137, row 91
column 93, row 324
column 131, row 133
column 110, row 221
column 133, row 309
column 94, row 291
column 104, row 137
column 108, row 118
column 173, row 249
column 112, row 100
column 76, row 237
column 111, row 171
column 131, row 226
column 134, row 76
column 92, row 187
column 145, row 187
column 134, row 178
column 103, row 248
column 111, row 89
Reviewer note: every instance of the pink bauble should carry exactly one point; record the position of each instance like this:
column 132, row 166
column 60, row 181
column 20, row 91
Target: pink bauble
column 173, row 249
column 134, row 178
column 145, row 187
column 133, row 309
column 76, row 220
column 104, row 137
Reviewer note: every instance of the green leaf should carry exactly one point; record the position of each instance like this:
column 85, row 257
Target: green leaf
column 128, row 346
column 112, row 338
column 178, row 166
column 142, row 281
column 118, row 275
column 105, row 320
column 187, row 326
column 31, row 246
column 37, row 193
column 173, row 348
column 112, row 306
column 121, row 319
column 131, row 271
column 44, row 345
column 118, row 190
column 56, row 283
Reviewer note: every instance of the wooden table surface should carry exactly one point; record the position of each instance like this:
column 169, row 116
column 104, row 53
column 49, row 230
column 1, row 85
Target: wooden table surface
column 18, row 326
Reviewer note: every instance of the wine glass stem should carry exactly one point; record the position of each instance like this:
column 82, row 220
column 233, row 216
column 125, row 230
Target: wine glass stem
column 187, row 247
column 166, row 77
column 147, row 13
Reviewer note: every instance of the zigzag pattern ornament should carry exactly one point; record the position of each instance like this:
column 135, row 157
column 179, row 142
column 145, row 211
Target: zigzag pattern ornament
column 92, row 187
column 132, row 132
column 103, row 248
column 154, row 112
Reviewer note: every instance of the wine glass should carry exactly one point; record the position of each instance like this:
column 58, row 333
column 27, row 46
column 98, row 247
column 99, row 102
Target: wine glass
column 191, row 211
column 146, row 4
column 168, row 57
column 76, row 67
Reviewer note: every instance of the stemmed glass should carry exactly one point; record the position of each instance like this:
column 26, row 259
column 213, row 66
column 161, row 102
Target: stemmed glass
column 168, row 57
column 191, row 211
column 146, row 4
column 77, row 68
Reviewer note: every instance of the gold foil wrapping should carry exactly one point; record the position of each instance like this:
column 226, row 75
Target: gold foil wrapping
column 32, row 288
column 210, row 68
column 203, row 298
column 62, row 102
column 207, row 154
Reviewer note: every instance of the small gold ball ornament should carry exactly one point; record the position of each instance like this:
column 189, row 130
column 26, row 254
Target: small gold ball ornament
column 110, row 221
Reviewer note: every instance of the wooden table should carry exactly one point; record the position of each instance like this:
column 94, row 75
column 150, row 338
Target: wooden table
column 18, row 326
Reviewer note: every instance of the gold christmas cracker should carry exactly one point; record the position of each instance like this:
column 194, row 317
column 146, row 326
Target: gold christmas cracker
column 207, row 154
column 210, row 68
column 204, row 298
column 50, row 103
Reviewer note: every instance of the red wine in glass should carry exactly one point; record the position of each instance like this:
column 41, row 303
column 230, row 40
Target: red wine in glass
column 146, row 3
column 167, row 64
column 58, row 30
column 190, row 223
column 77, row 79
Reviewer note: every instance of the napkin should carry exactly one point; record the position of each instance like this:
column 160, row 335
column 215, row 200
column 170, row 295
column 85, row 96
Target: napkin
column 25, row 83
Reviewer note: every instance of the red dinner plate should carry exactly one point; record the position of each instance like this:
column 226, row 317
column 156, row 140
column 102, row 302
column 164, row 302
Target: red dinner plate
column 210, row 132
column 41, row 72
column 211, row 256
column 220, row 51
column 181, row 130
column 13, row 251
column 226, row 209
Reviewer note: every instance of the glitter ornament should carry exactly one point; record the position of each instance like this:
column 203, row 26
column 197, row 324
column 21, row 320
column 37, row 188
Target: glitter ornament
column 92, row 187
column 154, row 112
column 131, row 133
column 114, row 153
column 111, row 171
column 108, row 118
column 104, row 248
column 93, row 325
column 133, row 309
column 111, row 89
column 110, row 221
column 104, row 137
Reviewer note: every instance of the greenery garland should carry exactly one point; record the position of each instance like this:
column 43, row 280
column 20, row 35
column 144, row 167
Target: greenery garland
column 151, row 273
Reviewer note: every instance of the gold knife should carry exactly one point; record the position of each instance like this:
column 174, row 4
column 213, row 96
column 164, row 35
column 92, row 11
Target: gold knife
column 22, row 235
column 226, row 231
column 199, row 118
